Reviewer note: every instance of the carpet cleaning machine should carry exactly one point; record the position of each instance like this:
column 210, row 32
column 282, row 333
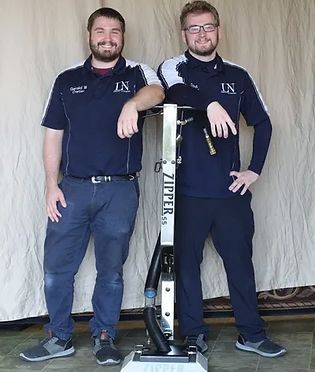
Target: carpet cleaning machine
column 164, row 355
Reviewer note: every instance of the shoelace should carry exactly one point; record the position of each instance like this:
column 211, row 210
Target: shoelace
column 104, row 339
column 105, row 342
column 192, row 340
column 48, row 339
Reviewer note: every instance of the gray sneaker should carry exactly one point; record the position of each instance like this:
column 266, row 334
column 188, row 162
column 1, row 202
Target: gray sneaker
column 51, row 347
column 198, row 341
column 105, row 350
column 265, row 348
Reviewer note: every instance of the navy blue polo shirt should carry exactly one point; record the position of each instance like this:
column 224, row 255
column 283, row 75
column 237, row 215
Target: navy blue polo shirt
column 86, row 106
column 189, row 81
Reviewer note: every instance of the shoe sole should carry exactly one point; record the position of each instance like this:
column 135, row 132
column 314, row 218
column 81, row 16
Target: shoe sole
column 108, row 362
column 251, row 349
column 65, row 353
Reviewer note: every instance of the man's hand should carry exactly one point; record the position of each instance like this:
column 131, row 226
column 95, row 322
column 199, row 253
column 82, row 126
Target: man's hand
column 245, row 179
column 220, row 120
column 54, row 195
column 127, row 124
column 145, row 98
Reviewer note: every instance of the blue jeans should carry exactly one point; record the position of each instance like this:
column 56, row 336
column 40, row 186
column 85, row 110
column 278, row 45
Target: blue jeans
column 107, row 211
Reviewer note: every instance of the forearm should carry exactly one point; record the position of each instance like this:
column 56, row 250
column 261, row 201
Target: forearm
column 52, row 155
column 147, row 97
column 182, row 94
column 261, row 141
column 219, row 119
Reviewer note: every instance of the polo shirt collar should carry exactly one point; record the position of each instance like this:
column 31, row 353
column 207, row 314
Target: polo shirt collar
column 119, row 66
column 212, row 67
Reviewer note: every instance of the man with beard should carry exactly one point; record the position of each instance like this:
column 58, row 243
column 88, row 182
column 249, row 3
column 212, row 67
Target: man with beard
column 93, row 134
column 212, row 191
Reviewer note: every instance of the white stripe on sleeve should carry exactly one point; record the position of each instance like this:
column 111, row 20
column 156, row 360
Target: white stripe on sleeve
column 169, row 71
column 149, row 75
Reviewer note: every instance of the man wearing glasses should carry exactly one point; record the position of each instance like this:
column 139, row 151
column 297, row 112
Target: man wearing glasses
column 212, row 191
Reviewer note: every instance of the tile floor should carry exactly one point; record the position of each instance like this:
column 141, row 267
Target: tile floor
column 297, row 335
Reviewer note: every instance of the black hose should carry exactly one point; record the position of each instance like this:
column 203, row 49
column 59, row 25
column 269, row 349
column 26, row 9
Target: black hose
column 157, row 336
column 154, row 272
column 155, row 332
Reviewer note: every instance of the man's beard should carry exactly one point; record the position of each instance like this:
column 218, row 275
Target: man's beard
column 203, row 52
column 104, row 55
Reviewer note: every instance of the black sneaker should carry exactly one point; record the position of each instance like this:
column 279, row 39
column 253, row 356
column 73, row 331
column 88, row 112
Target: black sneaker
column 198, row 341
column 265, row 348
column 105, row 351
column 51, row 347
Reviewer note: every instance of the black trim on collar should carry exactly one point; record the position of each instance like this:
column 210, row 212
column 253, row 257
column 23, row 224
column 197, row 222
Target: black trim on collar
column 215, row 65
column 119, row 66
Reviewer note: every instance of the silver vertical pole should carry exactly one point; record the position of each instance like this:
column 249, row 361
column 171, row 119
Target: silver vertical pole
column 167, row 219
column 169, row 169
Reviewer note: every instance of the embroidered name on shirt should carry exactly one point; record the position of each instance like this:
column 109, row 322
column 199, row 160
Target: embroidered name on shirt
column 77, row 90
column 122, row 86
column 228, row 88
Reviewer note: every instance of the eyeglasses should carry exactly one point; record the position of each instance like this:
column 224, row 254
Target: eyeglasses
column 195, row 29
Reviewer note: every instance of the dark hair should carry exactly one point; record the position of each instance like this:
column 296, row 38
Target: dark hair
column 108, row 13
column 198, row 7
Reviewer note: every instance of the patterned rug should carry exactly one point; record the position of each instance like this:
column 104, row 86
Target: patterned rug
column 275, row 302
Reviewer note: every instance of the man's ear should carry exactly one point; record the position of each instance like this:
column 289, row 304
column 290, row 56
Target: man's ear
column 184, row 37
column 220, row 33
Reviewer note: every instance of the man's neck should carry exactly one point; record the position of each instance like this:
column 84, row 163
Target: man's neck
column 203, row 58
column 100, row 64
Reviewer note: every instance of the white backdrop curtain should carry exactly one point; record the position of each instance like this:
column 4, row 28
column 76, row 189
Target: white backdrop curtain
column 274, row 40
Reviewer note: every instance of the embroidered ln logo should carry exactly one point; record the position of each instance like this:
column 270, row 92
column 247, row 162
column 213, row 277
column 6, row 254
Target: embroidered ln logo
column 122, row 86
column 228, row 88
